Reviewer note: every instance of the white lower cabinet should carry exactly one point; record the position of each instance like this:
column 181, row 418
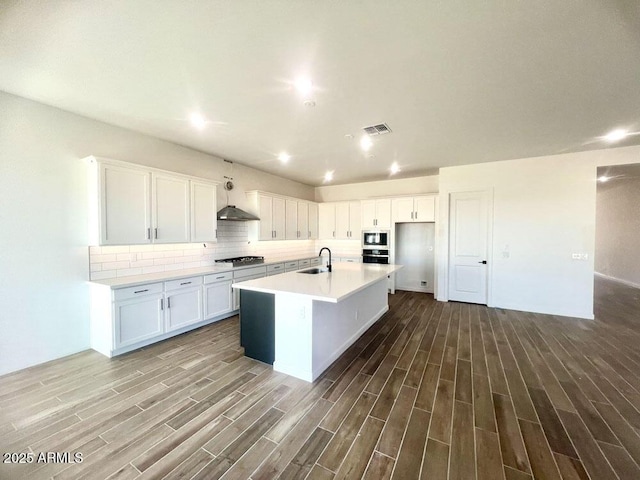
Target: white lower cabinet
column 218, row 297
column 183, row 308
column 138, row 319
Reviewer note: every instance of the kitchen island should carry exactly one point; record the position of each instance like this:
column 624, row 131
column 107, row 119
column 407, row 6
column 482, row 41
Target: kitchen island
column 301, row 323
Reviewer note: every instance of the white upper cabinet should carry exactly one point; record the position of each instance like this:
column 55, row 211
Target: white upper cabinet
column 340, row 220
column 204, row 223
column 170, row 203
column 327, row 221
column 420, row 208
column 376, row 214
column 125, row 208
column 303, row 221
column 133, row 205
column 281, row 218
column 271, row 211
column 291, row 222
column 313, row 221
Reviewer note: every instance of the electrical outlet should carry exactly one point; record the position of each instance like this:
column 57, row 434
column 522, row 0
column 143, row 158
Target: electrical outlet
column 423, row 283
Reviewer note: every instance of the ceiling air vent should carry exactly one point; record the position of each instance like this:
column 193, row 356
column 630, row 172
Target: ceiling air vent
column 380, row 129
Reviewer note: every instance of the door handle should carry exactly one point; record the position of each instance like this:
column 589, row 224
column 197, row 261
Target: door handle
column 484, row 262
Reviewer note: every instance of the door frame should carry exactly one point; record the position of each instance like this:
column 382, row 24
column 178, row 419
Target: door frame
column 443, row 238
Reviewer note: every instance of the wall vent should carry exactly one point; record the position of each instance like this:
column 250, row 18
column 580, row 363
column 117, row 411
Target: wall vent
column 379, row 129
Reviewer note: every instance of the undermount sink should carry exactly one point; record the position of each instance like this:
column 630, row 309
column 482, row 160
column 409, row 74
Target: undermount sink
column 314, row 270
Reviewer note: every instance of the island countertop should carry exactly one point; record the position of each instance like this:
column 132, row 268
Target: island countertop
column 345, row 280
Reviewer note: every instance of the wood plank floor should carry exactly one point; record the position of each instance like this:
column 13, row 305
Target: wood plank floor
column 432, row 391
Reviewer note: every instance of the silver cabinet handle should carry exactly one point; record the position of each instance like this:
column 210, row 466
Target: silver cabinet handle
column 185, row 283
column 218, row 278
column 148, row 233
column 155, row 233
column 168, row 302
column 334, row 234
column 162, row 304
column 215, row 233
column 140, row 291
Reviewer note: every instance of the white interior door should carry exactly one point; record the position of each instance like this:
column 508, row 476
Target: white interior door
column 468, row 247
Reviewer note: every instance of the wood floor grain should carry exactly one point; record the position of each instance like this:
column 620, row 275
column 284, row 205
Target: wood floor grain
column 432, row 391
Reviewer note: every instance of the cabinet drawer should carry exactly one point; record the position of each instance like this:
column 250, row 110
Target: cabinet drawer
column 314, row 261
column 218, row 277
column 291, row 265
column 139, row 291
column 249, row 272
column 182, row 283
column 276, row 268
column 304, row 263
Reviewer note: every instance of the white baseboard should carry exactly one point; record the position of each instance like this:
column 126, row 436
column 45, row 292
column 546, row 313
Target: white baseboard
column 618, row 280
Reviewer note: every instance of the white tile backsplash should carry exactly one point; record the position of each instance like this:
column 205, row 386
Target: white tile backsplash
column 119, row 261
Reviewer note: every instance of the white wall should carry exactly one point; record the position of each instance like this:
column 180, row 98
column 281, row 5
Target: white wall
column 382, row 188
column 544, row 209
column 43, row 228
column 618, row 230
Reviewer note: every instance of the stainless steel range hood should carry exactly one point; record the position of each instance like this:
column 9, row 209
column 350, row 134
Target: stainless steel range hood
column 231, row 212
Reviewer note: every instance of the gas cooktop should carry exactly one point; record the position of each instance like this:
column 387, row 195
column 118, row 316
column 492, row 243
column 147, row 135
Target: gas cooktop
column 241, row 261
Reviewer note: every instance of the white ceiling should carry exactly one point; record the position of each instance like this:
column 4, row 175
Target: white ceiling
column 458, row 82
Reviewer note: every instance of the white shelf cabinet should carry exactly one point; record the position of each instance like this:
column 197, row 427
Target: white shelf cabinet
column 313, row 221
column 204, row 223
column 134, row 205
column 281, row 218
column 304, row 233
column 376, row 214
column 420, row 208
column 291, row 222
column 170, row 202
column 271, row 211
column 339, row 220
column 124, row 205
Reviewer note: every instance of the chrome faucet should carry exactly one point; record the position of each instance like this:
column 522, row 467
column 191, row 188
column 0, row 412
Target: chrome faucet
column 320, row 254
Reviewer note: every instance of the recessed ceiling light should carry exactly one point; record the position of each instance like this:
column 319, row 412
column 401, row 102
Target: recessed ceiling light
column 303, row 85
column 198, row 121
column 284, row 157
column 328, row 176
column 366, row 143
column 603, row 178
column 395, row 168
column 616, row 135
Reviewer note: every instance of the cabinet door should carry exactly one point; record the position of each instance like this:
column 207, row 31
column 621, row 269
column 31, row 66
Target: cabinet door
column 313, row 221
column 278, row 218
column 343, row 227
column 402, row 209
column 291, row 220
column 137, row 319
column 368, row 213
column 217, row 299
column 383, row 213
column 170, row 209
column 425, row 208
column 265, row 207
column 326, row 221
column 124, row 206
column 355, row 227
column 303, row 221
column 204, row 212
column 183, row 307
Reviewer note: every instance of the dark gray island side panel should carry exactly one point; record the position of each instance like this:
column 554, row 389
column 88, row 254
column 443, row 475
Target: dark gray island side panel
column 257, row 325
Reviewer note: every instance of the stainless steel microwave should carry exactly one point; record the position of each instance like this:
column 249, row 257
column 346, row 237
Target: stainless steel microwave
column 375, row 238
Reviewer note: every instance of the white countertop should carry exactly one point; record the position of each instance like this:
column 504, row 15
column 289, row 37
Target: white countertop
column 345, row 280
column 135, row 280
